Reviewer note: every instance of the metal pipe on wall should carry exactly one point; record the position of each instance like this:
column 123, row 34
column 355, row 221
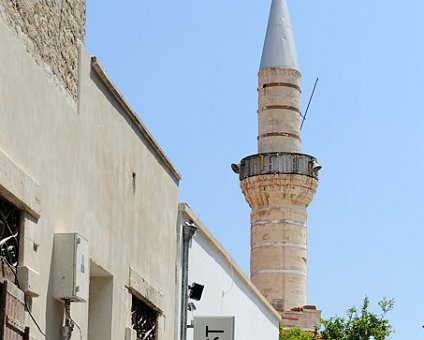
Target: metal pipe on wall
column 188, row 229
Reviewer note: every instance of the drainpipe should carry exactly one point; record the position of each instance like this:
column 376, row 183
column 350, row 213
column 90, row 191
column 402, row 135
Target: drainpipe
column 189, row 229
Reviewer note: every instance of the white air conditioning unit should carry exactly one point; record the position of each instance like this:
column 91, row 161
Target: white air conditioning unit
column 71, row 275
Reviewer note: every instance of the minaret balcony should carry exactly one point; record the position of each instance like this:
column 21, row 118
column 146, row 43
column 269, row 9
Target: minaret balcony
column 279, row 163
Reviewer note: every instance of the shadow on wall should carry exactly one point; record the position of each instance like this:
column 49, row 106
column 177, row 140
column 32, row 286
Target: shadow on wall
column 54, row 307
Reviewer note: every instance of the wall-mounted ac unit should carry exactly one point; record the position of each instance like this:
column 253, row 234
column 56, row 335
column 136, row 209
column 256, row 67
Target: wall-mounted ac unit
column 71, row 267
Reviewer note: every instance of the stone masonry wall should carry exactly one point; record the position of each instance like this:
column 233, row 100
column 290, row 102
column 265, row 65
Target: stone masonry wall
column 50, row 30
column 278, row 258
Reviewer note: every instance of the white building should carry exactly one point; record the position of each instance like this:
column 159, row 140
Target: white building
column 227, row 291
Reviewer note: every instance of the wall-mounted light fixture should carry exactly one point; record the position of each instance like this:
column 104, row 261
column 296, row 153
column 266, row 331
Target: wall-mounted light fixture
column 235, row 167
column 196, row 291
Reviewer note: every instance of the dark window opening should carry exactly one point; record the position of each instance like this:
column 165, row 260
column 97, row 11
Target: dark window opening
column 10, row 218
column 144, row 320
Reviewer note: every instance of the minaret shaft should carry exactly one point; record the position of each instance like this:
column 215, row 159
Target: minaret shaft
column 279, row 110
column 279, row 182
column 278, row 259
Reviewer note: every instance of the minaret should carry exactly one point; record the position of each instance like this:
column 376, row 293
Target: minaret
column 279, row 182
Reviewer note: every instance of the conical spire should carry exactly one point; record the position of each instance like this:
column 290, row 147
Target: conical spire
column 279, row 47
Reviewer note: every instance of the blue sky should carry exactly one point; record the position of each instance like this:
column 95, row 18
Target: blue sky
column 189, row 68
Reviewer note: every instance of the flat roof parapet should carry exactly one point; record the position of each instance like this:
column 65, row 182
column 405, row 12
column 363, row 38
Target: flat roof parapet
column 100, row 71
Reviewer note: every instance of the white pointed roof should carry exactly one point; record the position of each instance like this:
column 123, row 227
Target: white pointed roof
column 279, row 47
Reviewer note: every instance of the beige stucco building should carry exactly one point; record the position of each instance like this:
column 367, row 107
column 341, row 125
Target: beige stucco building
column 74, row 158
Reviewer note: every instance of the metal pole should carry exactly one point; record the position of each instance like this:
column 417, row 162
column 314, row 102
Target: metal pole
column 309, row 104
column 189, row 229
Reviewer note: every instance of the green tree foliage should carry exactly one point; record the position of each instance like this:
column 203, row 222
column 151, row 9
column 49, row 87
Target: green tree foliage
column 359, row 325
column 296, row 334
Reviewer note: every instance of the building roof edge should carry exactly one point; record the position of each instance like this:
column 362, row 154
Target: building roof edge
column 100, row 71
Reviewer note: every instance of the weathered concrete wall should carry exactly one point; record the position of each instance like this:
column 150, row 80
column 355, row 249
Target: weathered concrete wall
column 279, row 110
column 81, row 162
column 278, row 260
column 49, row 30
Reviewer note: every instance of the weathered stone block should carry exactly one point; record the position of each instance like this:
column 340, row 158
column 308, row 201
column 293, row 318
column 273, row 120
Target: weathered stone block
column 49, row 30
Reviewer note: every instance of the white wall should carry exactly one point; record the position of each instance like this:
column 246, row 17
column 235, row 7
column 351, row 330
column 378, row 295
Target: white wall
column 207, row 266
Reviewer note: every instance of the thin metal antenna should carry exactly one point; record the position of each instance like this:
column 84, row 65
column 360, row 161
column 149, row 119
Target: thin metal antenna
column 309, row 104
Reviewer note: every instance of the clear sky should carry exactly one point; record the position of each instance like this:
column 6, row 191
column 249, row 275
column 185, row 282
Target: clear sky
column 189, row 68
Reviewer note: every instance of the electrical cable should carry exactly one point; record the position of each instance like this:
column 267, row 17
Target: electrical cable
column 232, row 281
column 229, row 290
column 25, row 303
column 74, row 323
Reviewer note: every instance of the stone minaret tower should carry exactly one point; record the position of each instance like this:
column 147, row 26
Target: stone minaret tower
column 279, row 182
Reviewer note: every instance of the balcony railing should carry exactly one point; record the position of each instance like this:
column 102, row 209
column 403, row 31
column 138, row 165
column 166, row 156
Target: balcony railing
column 279, row 163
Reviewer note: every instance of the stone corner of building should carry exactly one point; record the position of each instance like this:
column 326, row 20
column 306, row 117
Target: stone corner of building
column 307, row 317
